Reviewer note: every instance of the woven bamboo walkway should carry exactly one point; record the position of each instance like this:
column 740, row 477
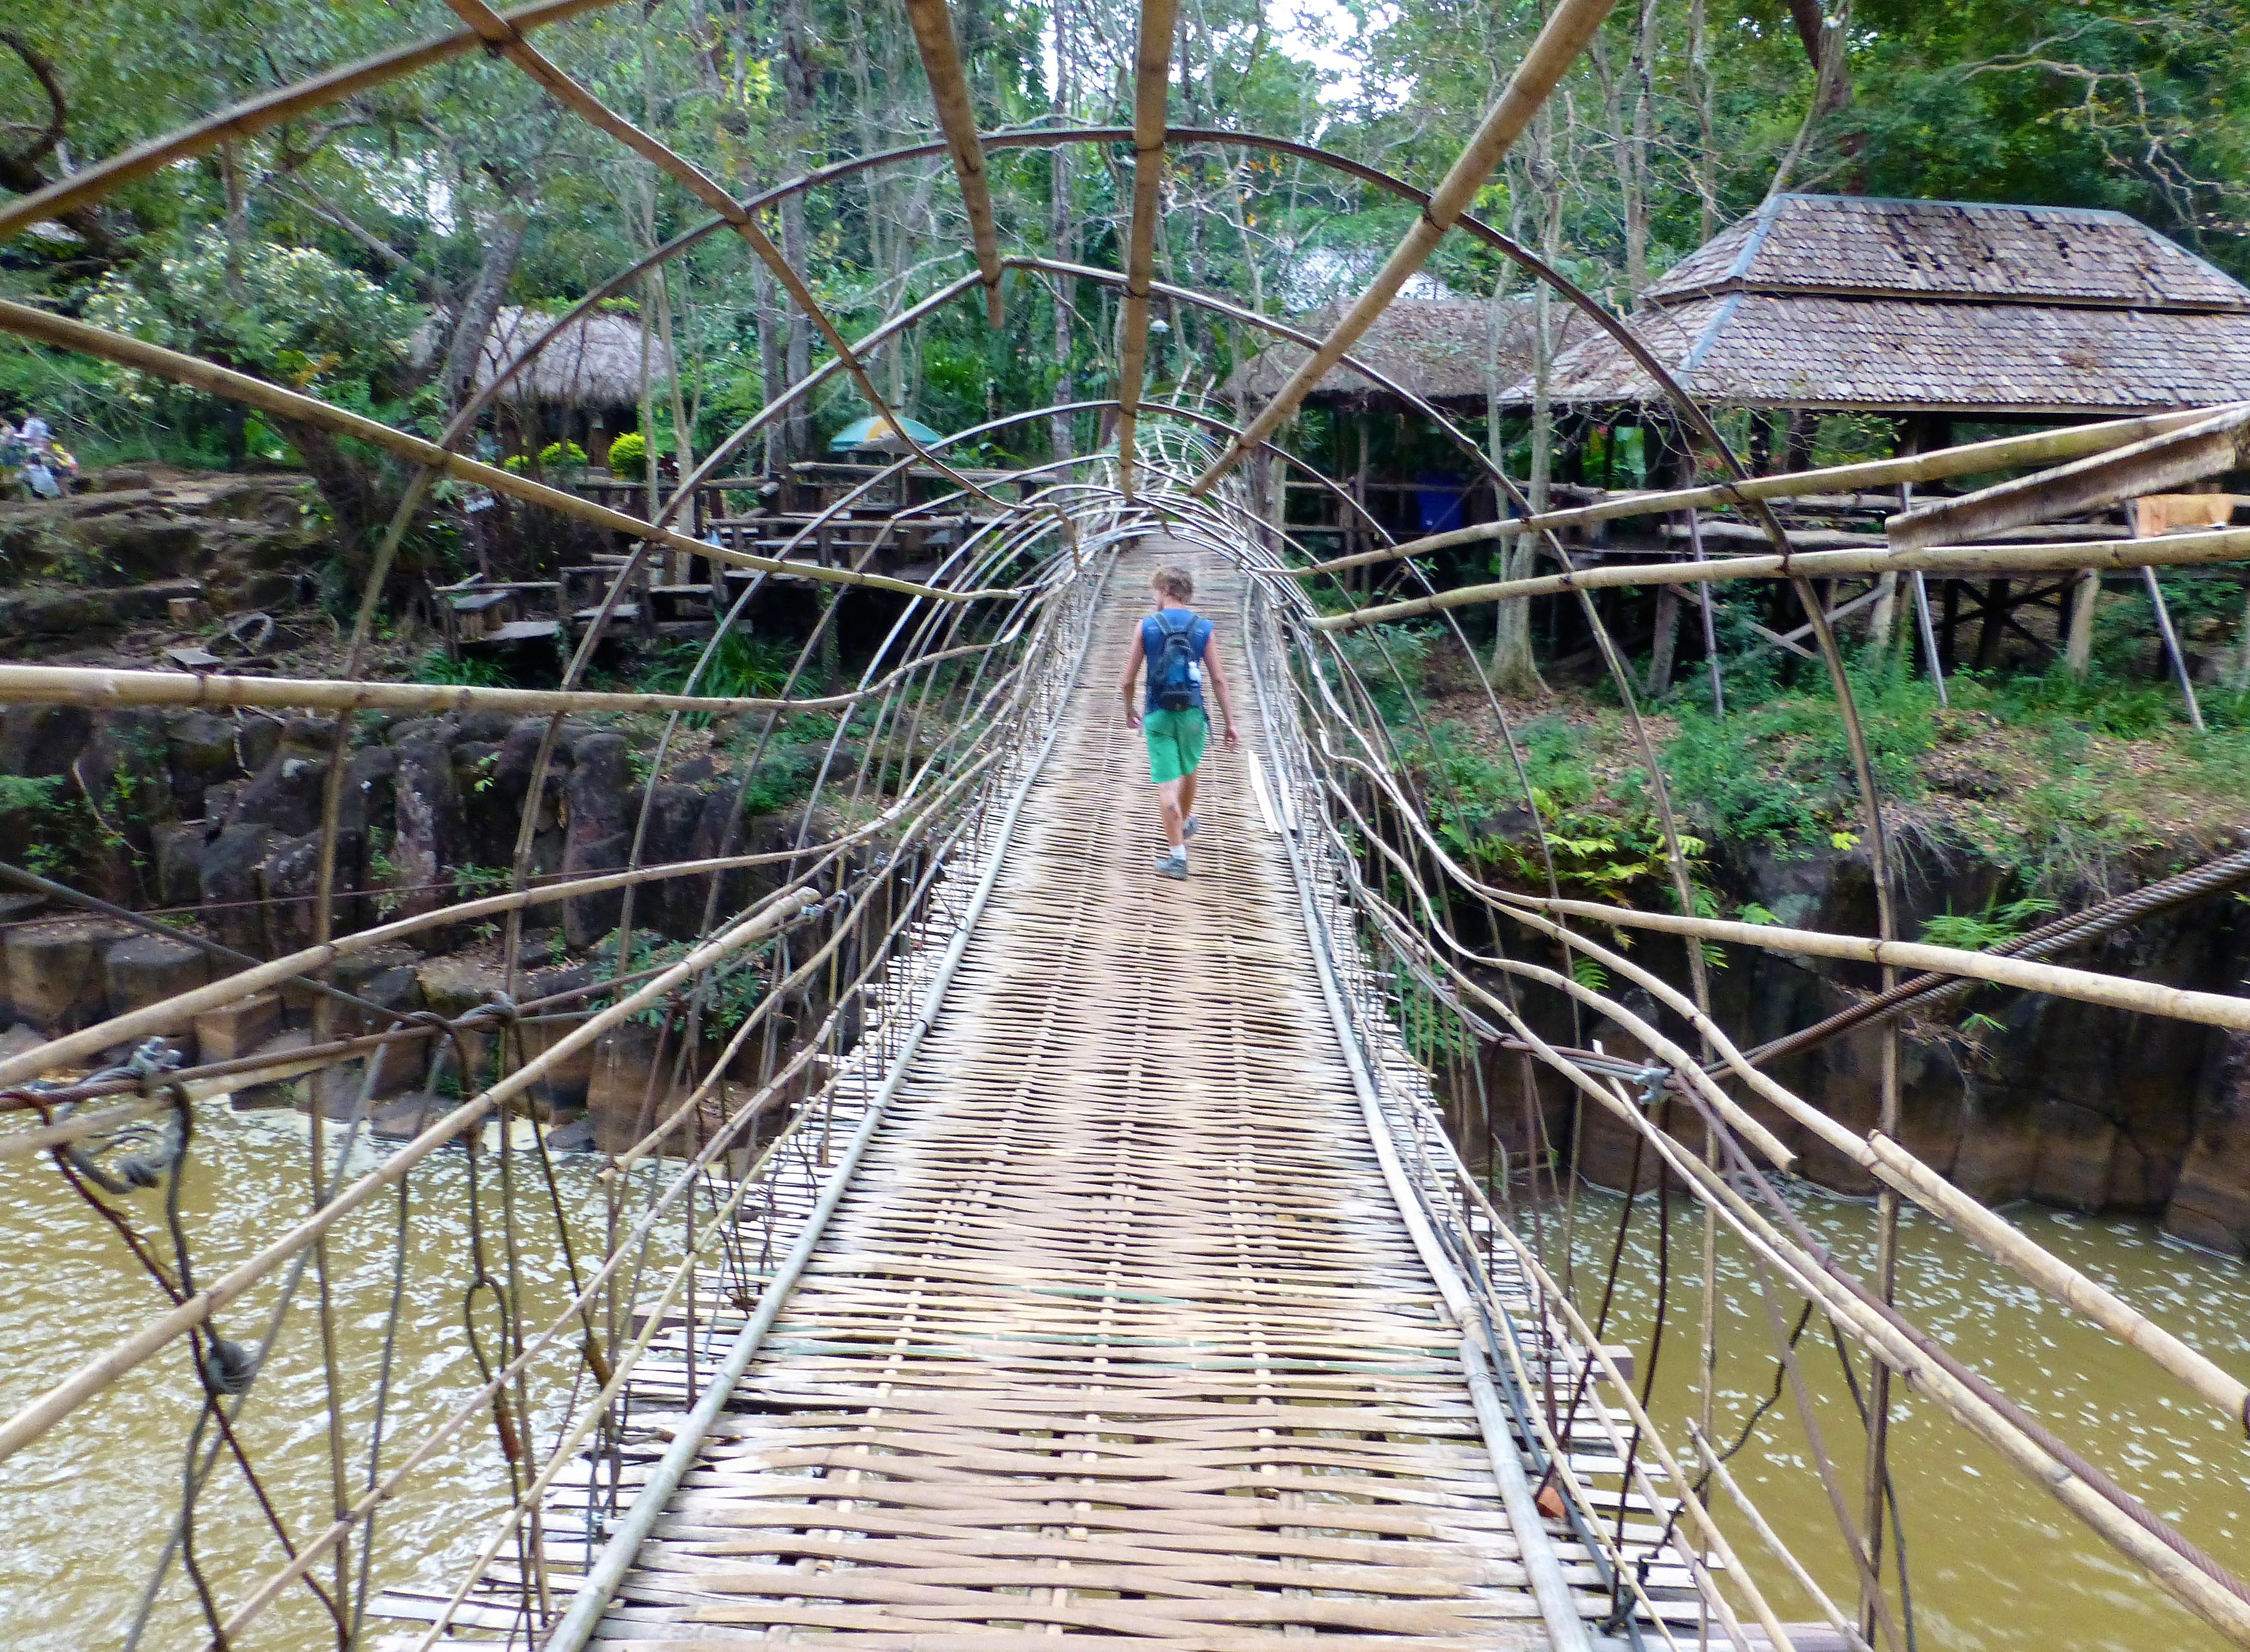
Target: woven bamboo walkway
column 1117, row 1330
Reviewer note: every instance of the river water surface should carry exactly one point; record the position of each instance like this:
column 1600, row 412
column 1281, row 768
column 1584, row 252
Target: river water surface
column 86, row 1511
column 1996, row 1566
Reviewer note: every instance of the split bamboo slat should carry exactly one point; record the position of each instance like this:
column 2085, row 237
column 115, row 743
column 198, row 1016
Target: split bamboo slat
column 1117, row 1329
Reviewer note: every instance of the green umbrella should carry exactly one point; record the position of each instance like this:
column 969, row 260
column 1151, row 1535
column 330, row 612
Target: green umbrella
column 881, row 431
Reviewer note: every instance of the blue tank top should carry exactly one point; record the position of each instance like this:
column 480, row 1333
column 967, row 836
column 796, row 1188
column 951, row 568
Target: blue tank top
column 1152, row 646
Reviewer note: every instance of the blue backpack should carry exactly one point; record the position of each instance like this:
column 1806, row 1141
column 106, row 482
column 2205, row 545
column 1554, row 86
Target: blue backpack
column 1176, row 671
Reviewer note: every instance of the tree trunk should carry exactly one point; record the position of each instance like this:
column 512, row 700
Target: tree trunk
column 473, row 320
column 796, row 80
column 1513, row 670
column 1707, row 116
column 1058, row 237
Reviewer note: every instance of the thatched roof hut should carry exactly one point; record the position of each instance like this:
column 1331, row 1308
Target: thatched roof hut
column 1439, row 347
column 596, row 364
column 1844, row 303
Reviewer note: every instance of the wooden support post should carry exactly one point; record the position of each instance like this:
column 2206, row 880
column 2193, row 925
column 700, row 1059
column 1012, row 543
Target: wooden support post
column 1710, row 625
column 2242, row 645
column 1662, row 645
column 1992, row 621
column 2085, row 595
column 2172, row 648
column 1930, row 652
column 1952, row 622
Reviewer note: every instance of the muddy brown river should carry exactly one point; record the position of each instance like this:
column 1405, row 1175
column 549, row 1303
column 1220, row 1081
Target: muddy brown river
column 1996, row 1566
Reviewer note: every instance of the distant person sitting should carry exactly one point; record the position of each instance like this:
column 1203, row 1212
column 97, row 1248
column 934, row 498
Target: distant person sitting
column 34, row 432
column 1176, row 643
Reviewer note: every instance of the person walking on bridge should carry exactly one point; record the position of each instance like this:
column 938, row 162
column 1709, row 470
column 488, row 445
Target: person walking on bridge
column 1175, row 643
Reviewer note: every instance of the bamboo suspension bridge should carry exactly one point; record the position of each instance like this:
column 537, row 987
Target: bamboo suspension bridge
column 1044, row 1251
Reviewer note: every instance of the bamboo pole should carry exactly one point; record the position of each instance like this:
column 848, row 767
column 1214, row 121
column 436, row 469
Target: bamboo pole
column 1563, row 35
column 2142, row 998
column 2001, row 1241
column 2222, row 545
column 1999, row 453
column 1152, row 66
column 956, row 118
column 2209, row 448
column 66, row 334
column 90, row 184
column 103, row 687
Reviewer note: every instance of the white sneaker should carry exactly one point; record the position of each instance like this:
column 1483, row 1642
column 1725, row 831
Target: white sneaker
column 1171, row 866
column 1190, row 826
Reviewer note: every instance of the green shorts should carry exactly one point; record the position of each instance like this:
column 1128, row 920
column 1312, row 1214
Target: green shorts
column 1175, row 742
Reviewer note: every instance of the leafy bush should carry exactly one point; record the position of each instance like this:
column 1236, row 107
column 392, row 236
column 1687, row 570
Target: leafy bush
column 742, row 668
column 439, row 666
column 629, row 455
column 1976, row 931
column 554, row 456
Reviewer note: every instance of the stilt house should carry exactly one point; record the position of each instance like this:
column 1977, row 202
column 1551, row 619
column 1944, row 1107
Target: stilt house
column 1827, row 327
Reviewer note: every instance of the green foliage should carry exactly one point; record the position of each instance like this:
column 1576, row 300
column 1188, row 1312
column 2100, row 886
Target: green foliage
column 629, row 455
column 1780, row 773
column 729, row 992
column 739, row 667
column 439, row 666
column 1391, row 660
column 1985, row 927
column 64, row 836
column 553, row 456
column 293, row 314
column 1431, row 1027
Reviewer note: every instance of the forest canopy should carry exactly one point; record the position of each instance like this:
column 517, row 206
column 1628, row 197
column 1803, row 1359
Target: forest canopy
column 310, row 253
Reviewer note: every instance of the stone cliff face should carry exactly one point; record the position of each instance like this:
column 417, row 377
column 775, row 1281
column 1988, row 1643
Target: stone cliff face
column 216, row 817
column 83, row 570
column 2043, row 1098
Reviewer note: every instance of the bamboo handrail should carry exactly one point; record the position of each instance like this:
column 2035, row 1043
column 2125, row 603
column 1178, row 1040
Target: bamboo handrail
column 2173, row 550
column 99, row 685
column 2145, row 997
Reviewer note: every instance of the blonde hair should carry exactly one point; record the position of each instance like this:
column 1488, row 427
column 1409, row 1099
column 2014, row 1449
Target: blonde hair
column 1175, row 583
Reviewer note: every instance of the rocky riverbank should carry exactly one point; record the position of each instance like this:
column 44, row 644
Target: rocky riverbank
column 215, row 820
column 2014, row 1095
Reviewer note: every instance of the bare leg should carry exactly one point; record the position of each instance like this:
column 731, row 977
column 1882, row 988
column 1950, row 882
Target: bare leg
column 1187, row 795
column 1168, row 795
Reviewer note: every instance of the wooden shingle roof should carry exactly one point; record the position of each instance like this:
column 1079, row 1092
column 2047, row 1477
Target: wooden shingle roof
column 1439, row 347
column 1960, row 250
column 1838, row 302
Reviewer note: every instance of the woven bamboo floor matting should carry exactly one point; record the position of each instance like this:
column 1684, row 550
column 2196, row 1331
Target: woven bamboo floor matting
column 1117, row 1331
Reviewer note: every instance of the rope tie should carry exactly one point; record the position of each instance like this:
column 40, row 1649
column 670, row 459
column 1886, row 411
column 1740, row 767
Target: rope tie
column 146, row 1166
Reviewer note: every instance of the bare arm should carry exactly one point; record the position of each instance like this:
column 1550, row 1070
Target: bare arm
column 1215, row 674
column 1132, row 675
